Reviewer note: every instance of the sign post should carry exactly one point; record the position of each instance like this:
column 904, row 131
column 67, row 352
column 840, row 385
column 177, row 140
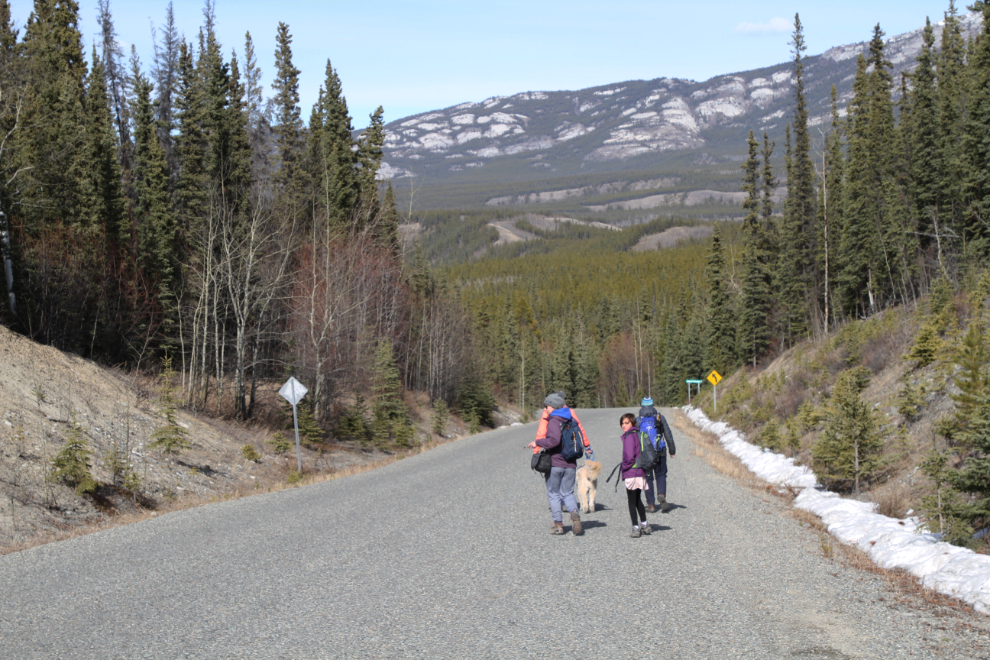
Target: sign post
column 293, row 391
column 690, row 382
column 714, row 377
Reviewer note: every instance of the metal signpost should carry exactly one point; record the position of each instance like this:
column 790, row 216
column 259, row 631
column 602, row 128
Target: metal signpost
column 691, row 382
column 714, row 377
column 293, row 391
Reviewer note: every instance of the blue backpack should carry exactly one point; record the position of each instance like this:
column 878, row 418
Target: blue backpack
column 571, row 441
column 648, row 426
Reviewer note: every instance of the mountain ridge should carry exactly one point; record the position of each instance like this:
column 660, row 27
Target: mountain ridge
column 642, row 126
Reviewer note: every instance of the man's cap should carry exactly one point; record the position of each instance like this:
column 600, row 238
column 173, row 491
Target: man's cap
column 554, row 400
column 648, row 401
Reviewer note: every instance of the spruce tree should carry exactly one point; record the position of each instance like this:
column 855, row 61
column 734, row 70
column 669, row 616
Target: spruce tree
column 332, row 158
column 156, row 222
column 924, row 140
column 190, row 198
column 103, row 194
column 951, row 163
column 849, row 450
column 165, row 72
column 288, row 124
column 71, row 465
column 390, row 417
column 369, row 160
column 721, row 339
column 753, row 336
column 976, row 231
column 798, row 274
column 54, row 149
column 170, row 438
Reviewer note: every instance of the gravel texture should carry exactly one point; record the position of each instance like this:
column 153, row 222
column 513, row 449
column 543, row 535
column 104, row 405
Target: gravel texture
column 448, row 554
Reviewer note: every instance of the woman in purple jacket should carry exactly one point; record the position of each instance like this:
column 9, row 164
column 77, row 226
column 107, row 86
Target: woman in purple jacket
column 634, row 477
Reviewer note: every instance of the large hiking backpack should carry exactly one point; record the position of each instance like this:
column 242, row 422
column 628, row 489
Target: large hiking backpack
column 648, row 456
column 648, row 425
column 571, row 441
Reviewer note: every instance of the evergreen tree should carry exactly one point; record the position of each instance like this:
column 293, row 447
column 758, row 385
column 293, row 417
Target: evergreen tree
column 753, row 336
column 288, row 125
column 104, row 197
column 190, row 144
column 390, row 416
column 386, row 231
column 830, row 206
column 721, row 339
column 973, row 476
column 924, row 139
column 369, row 159
column 976, row 231
column 118, row 88
column 165, row 72
column 796, row 268
column 332, row 157
column 258, row 127
column 850, row 448
column 71, row 465
column 871, row 242
column 951, row 111
column 170, row 438
column 55, row 147
column 156, row 223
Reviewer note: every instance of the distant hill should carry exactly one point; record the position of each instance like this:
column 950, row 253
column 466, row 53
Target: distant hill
column 595, row 149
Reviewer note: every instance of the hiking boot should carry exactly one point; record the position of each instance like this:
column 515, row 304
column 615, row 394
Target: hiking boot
column 664, row 505
column 650, row 508
column 645, row 528
column 576, row 523
column 558, row 528
column 635, row 533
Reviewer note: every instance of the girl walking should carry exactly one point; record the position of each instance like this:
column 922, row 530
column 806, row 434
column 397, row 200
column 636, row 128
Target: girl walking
column 634, row 477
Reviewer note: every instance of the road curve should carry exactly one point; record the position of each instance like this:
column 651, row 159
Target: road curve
column 448, row 554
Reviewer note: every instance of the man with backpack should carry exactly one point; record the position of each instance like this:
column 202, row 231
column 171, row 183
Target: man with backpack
column 655, row 426
column 564, row 442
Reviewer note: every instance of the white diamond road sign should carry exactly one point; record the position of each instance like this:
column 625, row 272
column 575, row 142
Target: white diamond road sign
column 293, row 391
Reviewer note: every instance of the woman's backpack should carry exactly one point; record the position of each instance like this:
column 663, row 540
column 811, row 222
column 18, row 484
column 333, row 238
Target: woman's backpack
column 571, row 441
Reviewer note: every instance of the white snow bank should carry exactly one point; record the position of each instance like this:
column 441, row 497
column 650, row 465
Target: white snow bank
column 890, row 543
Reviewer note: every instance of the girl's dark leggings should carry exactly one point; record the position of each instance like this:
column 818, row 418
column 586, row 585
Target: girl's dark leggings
column 636, row 506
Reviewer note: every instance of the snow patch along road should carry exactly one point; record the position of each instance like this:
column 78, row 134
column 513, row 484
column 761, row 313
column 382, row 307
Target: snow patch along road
column 890, row 543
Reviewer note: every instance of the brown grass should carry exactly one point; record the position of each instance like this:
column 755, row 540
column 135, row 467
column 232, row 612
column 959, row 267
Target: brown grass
column 278, row 482
column 708, row 448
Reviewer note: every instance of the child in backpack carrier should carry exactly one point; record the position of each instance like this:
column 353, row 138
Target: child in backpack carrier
column 633, row 477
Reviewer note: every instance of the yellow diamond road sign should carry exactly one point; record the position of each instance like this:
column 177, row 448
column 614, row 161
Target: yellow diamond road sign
column 714, row 378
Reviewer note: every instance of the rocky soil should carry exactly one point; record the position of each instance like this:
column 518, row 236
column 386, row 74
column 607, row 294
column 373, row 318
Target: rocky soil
column 43, row 391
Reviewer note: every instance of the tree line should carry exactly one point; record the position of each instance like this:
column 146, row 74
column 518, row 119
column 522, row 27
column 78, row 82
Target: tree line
column 177, row 210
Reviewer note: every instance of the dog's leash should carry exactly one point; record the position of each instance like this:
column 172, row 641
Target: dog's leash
column 610, row 477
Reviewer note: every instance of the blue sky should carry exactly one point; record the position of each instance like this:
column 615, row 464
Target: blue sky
column 411, row 57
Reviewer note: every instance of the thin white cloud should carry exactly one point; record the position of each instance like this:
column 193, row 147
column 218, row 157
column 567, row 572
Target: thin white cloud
column 775, row 25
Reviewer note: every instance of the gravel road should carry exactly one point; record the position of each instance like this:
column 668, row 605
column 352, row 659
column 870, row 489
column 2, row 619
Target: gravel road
column 448, row 554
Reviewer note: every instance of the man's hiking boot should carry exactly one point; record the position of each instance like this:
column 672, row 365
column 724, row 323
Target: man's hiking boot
column 576, row 523
column 664, row 505
column 650, row 508
column 558, row 528
column 645, row 528
column 635, row 533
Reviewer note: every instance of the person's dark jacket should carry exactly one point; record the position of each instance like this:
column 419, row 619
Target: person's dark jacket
column 551, row 443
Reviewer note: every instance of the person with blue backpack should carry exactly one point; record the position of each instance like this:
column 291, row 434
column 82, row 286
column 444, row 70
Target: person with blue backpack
column 564, row 442
column 655, row 426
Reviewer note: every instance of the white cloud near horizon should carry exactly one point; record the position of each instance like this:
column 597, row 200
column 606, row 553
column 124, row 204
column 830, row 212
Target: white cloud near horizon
column 776, row 25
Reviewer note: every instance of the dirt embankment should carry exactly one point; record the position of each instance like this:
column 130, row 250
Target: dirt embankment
column 43, row 392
